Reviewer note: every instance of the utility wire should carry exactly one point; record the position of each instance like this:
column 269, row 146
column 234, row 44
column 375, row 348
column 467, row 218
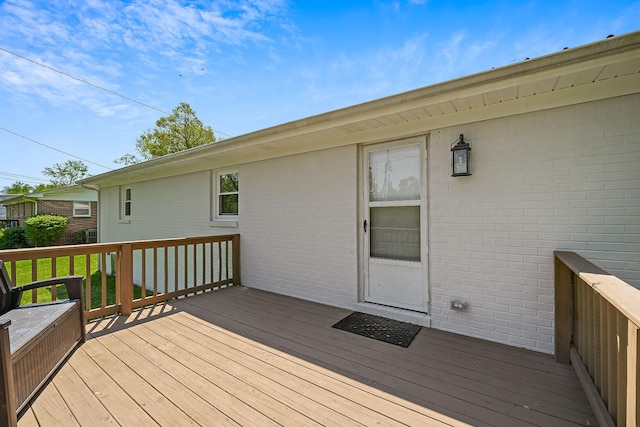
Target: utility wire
column 13, row 177
column 82, row 81
column 53, row 148
column 94, row 85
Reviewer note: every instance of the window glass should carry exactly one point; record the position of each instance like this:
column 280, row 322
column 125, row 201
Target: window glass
column 394, row 174
column 395, row 233
column 228, row 190
column 127, row 202
column 82, row 209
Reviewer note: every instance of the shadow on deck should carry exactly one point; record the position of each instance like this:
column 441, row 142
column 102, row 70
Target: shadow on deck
column 241, row 356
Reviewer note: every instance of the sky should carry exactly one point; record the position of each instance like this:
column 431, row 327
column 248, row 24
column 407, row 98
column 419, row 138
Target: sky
column 82, row 79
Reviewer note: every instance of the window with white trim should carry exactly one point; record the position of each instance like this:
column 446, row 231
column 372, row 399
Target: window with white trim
column 227, row 192
column 82, row 209
column 126, row 202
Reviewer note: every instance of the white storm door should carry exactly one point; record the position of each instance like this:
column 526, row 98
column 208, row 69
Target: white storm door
column 395, row 226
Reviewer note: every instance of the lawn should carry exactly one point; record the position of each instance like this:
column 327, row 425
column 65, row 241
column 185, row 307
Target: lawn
column 23, row 275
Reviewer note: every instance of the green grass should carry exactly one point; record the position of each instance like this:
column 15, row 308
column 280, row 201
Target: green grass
column 23, row 276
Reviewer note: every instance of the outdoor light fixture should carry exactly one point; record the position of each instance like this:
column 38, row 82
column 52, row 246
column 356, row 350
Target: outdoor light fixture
column 460, row 157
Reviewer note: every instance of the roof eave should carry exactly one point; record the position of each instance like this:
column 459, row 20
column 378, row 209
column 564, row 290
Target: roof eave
column 480, row 82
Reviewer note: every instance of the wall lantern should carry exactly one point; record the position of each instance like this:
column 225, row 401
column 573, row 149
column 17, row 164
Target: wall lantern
column 460, row 157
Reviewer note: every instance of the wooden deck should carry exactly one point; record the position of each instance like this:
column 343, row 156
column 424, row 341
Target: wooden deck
column 240, row 356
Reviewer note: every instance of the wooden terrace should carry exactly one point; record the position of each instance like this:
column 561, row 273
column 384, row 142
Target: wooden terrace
column 240, row 356
column 197, row 348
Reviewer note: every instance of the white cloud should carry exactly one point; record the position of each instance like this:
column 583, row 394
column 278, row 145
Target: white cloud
column 96, row 41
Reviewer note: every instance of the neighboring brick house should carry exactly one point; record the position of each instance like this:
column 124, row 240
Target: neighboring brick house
column 78, row 204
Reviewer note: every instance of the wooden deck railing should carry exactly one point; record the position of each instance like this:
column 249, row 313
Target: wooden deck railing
column 160, row 270
column 597, row 330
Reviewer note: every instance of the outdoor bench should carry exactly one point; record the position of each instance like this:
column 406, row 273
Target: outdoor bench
column 35, row 340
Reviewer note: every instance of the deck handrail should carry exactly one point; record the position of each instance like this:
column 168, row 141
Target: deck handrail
column 164, row 268
column 597, row 329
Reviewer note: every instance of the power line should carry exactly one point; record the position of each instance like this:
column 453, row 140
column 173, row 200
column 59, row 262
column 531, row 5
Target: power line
column 94, row 85
column 13, row 177
column 82, row 81
column 53, row 148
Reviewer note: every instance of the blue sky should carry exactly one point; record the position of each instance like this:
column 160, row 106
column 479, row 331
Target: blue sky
column 71, row 70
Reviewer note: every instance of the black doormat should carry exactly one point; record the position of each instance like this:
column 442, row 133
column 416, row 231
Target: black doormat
column 379, row 328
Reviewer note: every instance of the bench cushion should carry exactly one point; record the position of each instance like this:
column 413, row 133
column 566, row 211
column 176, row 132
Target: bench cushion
column 27, row 322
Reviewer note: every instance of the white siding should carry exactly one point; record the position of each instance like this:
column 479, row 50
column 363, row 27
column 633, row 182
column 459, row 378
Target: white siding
column 564, row 179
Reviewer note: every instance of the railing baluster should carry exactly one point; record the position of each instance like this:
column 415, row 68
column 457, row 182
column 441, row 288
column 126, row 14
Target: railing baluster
column 186, row 266
column 195, row 265
column 604, row 350
column 620, row 414
column 155, row 271
column 166, row 270
column 34, row 277
column 54, row 269
column 590, row 334
column 203, row 263
column 103, row 278
column 614, row 348
column 87, row 280
column 226, row 259
column 633, row 375
column 597, row 342
column 212, row 262
column 176, row 274
column 143, row 268
column 219, row 261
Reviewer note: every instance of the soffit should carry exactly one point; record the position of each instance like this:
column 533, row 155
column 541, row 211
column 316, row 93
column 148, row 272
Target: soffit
column 604, row 69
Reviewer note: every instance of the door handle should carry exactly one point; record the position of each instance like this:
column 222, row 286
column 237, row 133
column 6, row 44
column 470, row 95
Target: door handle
column 365, row 225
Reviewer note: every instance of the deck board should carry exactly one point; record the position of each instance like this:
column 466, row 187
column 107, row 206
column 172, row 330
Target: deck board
column 241, row 356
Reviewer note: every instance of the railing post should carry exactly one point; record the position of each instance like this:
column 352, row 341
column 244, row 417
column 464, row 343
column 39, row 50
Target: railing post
column 8, row 404
column 563, row 295
column 125, row 272
column 236, row 260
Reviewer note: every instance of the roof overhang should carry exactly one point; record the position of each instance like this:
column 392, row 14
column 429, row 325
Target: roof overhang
column 74, row 192
column 605, row 69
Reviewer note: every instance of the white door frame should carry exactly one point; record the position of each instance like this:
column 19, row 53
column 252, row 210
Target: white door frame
column 419, row 306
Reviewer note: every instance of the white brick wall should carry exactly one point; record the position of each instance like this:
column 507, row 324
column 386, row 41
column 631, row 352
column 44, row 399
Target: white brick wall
column 164, row 208
column 299, row 227
column 565, row 179
column 297, row 221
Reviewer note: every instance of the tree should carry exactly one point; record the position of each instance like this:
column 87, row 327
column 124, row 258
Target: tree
column 18, row 188
column 179, row 131
column 67, row 173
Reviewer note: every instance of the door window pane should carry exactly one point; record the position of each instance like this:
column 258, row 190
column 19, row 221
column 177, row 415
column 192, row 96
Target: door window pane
column 395, row 233
column 394, row 174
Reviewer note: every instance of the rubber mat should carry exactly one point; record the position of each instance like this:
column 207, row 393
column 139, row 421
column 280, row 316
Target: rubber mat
column 379, row 328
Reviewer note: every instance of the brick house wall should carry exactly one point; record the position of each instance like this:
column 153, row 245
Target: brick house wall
column 22, row 211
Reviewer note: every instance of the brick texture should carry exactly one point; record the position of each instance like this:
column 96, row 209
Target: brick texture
column 22, row 211
column 561, row 179
column 564, row 179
